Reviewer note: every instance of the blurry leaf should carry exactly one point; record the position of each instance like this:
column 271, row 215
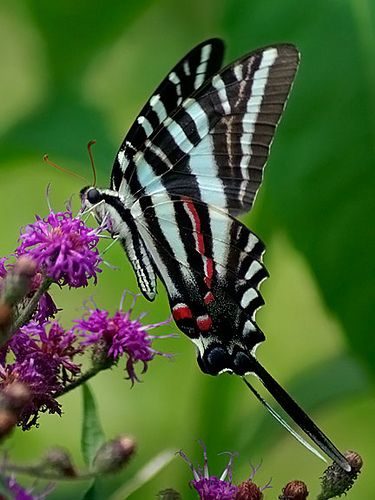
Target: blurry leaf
column 62, row 126
column 92, row 433
column 93, row 492
column 320, row 181
column 145, row 474
column 75, row 31
column 321, row 385
column 73, row 34
column 4, row 491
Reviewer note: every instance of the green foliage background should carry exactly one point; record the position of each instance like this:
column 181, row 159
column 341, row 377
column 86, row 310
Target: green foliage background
column 72, row 71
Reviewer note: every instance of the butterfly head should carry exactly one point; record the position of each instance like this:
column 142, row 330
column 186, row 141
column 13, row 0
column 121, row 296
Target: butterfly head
column 107, row 208
column 92, row 199
column 92, row 195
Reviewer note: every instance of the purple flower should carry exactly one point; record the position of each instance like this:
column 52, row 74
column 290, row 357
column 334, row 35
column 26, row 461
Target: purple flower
column 3, row 270
column 39, row 376
column 63, row 247
column 46, row 309
column 43, row 363
column 19, row 493
column 49, row 343
column 212, row 487
column 120, row 335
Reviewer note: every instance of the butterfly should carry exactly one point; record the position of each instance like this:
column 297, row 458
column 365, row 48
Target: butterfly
column 192, row 161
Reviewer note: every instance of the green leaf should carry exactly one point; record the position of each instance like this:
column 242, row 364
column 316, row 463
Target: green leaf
column 92, row 433
column 145, row 474
column 92, row 26
column 93, row 492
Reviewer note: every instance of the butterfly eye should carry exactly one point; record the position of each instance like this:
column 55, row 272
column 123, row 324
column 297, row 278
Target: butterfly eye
column 94, row 196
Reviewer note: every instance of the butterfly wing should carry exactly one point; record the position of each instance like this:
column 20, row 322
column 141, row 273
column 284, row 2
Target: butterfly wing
column 214, row 146
column 187, row 76
column 211, row 265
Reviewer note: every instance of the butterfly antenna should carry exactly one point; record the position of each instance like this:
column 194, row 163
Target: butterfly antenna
column 297, row 414
column 89, row 149
column 65, row 170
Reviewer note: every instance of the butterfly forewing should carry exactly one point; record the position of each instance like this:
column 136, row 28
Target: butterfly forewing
column 186, row 77
column 214, row 146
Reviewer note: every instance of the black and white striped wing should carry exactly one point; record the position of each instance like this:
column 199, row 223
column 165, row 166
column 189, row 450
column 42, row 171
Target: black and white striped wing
column 211, row 265
column 214, row 146
column 186, row 77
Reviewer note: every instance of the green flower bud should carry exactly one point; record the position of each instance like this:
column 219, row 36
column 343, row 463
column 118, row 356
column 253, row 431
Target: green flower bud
column 114, row 454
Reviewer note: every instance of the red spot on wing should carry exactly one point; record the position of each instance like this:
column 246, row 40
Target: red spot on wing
column 209, row 270
column 204, row 322
column 208, row 298
column 197, row 223
column 181, row 311
column 208, row 262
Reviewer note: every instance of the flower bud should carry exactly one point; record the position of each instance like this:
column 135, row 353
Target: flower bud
column 169, row 494
column 5, row 315
column 355, row 460
column 25, row 266
column 59, row 461
column 337, row 481
column 8, row 420
column 15, row 397
column 294, row 490
column 248, row 491
column 17, row 283
column 114, row 454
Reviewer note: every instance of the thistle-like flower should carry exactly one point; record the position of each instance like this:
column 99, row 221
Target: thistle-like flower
column 64, row 248
column 120, row 335
column 50, row 344
column 43, row 362
column 41, row 380
column 212, row 487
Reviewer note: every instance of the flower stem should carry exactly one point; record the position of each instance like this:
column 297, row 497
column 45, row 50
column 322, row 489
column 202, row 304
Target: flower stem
column 84, row 377
column 38, row 472
column 29, row 310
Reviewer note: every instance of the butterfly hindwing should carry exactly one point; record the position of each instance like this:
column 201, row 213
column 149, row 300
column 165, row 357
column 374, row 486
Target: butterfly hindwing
column 211, row 266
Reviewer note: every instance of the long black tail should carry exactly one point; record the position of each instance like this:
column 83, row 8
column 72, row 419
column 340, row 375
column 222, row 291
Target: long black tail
column 296, row 414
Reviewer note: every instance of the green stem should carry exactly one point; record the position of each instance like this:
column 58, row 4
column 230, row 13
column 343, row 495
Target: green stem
column 35, row 471
column 84, row 378
column 28, row 311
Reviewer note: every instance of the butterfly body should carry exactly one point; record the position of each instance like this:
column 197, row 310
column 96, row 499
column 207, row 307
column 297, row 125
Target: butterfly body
column 192, row 161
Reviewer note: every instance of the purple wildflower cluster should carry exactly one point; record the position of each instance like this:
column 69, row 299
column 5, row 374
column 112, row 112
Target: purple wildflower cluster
column 40, row 353
column 120, row 335
column 64, row 248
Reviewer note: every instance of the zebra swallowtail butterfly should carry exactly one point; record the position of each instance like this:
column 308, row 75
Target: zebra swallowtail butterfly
column 190, row 163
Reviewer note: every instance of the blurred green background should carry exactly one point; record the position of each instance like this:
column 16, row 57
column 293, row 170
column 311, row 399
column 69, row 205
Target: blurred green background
column 74, row 71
